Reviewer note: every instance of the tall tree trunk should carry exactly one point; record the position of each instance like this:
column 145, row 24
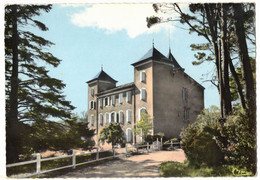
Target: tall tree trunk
column 247, row 74
column 226, row 96
column 209, row 9
column 12, row 129
column 237, row 82
column 220, row 79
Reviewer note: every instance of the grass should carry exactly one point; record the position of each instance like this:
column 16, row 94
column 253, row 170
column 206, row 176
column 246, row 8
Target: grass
column 177, row 169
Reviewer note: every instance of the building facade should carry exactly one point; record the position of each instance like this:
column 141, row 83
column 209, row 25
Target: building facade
column 161, row 88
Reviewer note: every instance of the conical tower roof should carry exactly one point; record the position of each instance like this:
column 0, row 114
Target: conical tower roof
column 102, row 75
column 174, row 61
column 153, row 54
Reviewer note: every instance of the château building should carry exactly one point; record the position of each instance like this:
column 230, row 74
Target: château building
column 161, row 88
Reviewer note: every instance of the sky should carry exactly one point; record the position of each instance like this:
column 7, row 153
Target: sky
column 89, row 36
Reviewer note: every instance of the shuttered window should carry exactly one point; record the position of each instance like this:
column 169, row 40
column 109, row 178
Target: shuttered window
column 129, row 135
column 128, row 97
column 128, row 116
column 143, row 94
column 184, row 94
column 186, row 114
column 92, row 92
column 92, row 120
column 91, row 105
column 113, row 117
column 142, row 76
column 120, row 98
column 113, row 100
column 106, row 118
column 100, row 119
column 100, row 102
column 141, row 111
column 121, row 117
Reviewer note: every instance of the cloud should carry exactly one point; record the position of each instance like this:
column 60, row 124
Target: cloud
column 117, row 17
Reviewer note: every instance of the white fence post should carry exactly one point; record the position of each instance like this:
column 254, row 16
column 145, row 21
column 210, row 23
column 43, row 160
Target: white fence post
column 126, row 148
column 113, row 152
column 38, row 163
column 74, row 158
column 161, row 144
column 157, row 143
column 97, row 157
column 171, row 144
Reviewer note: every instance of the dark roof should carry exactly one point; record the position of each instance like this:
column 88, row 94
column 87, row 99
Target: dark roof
column 173, row 60
column 154, row 54
column 118, row 88
column 102, row 76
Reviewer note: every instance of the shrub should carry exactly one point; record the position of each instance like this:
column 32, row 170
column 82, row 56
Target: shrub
column 199, row 140
column 241, row 147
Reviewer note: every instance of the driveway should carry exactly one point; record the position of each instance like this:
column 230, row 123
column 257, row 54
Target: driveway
column 145, row 165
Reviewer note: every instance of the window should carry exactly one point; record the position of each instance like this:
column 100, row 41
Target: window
column 129, row 97
column 92, row 92
column 92, row 120
column 142, row 76
column 100, row 119
column 100, row 102
column 91, row 105
column 121, row 117
column 113, row 100
column 186, row 114
column 129, row 135
column 112, row 117
column 142, row 111
column 143, row 94
column 128, row 116
column 106, row 101
column 106, row 118
column 184, row 94
column 120, row 98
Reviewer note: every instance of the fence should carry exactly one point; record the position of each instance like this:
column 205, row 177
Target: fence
column 73, row 156
column 155, row 146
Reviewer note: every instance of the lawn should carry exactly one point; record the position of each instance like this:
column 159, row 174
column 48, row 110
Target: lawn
column 177, row 169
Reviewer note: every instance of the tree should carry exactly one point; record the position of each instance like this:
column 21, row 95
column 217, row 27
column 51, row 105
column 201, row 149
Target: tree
column 51, row 135
column 112, row 133
column 31, row 94
column 144, row 126
column 82, row 117
column 247, row 73
column 228, row 29
column 216, row 23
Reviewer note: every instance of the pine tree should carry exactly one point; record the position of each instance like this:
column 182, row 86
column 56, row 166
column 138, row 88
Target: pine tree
column 31, row 94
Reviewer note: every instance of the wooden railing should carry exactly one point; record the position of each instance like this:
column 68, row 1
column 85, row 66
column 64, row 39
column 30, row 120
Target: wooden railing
column 74, row 164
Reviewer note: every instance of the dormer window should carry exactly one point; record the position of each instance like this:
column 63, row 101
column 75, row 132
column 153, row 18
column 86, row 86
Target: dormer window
column 142, row 76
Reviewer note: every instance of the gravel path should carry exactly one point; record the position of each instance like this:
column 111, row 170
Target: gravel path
column 145, row 165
